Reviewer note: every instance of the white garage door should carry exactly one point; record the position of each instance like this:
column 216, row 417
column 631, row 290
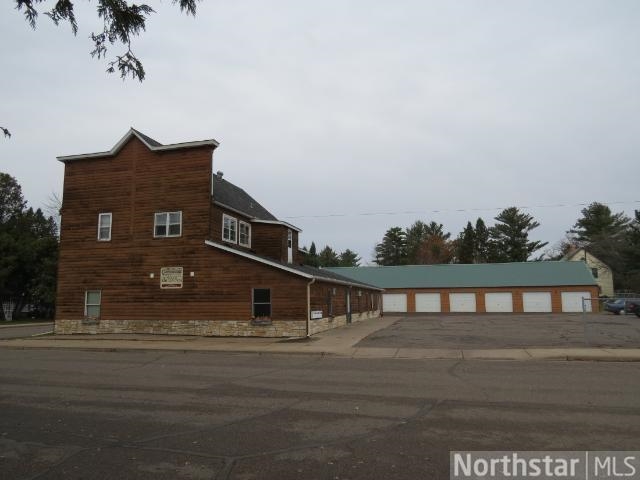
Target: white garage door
column 394, row 302
column 498, row 302
column 572, row 301
column 536, row 301
column 462, row 302
column 428, row 302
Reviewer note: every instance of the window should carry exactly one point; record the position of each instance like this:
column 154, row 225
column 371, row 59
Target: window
column 104, row 227
column 229, row 229
column 594, row 272
column 167, row 224
column 92, row 300
column 245, row 234
column 261, row 302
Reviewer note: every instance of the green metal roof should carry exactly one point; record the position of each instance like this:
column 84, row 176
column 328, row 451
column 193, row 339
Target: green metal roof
column 520, row 274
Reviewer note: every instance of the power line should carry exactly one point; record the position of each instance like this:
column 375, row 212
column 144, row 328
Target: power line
column 445, row 210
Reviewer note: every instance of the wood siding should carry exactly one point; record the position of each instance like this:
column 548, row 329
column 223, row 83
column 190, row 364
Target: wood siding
column 133, row 186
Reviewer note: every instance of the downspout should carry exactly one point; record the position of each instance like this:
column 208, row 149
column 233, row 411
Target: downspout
column 309, row 306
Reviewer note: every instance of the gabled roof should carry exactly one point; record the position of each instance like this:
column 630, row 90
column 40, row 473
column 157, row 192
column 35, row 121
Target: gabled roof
column 229, row 195
column 234, row 198
column 149, row 142
column 584, row 255
column 302, row 271
column 517, row 274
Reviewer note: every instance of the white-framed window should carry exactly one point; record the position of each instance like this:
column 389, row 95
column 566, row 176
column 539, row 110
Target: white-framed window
column 261, row 303
column 167, row 224
column 104, row 227
column 244, row 238
column 92, row 301
column 229, row 229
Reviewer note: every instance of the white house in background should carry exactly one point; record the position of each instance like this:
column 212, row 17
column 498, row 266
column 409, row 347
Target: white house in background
column 600, row 270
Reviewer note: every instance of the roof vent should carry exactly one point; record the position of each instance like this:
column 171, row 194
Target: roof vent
column 219, row 174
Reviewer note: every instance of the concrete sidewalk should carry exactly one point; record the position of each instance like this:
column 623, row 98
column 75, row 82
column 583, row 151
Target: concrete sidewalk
column 338, row 342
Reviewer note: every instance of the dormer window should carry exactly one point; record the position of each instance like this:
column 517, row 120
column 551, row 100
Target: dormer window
column 167, row 224
column 245, row 234
column 229, row 229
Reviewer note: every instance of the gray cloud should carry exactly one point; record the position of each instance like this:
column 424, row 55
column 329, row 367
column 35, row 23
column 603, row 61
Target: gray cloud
column 353, row 107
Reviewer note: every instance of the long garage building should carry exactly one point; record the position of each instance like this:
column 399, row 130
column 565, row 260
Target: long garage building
column 553, row 287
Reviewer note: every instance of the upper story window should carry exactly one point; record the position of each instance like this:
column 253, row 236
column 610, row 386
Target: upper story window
column 245, row 234
column 167, row 224
column 229, row 229
column 104, row 227
column 594, row 272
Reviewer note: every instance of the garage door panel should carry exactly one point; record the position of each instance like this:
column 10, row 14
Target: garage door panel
column 462, row 302
column 536, row 302
column 498, row 302
column 394, row 302
column 428, row 302
column 572, row 301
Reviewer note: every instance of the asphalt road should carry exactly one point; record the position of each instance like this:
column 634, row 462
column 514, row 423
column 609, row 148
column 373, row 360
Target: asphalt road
column 26, row 331
column 508, row 331
column 104, row 415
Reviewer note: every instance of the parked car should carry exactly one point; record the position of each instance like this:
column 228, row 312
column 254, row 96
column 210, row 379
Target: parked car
column 615, row 306
column 633, row 306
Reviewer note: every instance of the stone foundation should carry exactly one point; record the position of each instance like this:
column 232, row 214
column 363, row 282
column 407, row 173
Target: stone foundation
column 208, row 328
column 203, row 328
column 328, row 323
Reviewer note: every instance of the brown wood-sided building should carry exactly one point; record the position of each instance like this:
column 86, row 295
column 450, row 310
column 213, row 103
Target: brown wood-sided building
column 153, row 242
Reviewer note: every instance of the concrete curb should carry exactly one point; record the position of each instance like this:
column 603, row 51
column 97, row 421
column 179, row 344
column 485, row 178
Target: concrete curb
column 202, row 346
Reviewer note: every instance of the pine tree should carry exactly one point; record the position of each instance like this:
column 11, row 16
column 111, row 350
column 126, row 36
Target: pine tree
column 393, row 248
column 598, row 222
column 481, row 248
column 415, row 235
column 509, row 237
column 466, row 245
column 328, row 258
column 349, row 258
column 311, row 258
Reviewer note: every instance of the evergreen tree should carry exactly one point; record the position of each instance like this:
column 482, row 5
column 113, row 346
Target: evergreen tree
column 598, row 221
column 481, row 248
column 349, row 258
column 311, row 258
column 437, row 230
column 11, row 200
column 328, row 258
column 509, row 237
column 609, row 237
column 393, row 248
column 466, row 245
column 631, row 255
column 415, row 235
column 28, row 249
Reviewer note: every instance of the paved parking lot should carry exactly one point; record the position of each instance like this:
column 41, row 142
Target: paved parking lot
column 508, row 331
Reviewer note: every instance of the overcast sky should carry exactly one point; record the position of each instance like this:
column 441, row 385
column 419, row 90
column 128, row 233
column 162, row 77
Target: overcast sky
column 448, row 110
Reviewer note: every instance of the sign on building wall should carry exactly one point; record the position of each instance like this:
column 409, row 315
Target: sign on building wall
column 171, row 277
column 316, row 314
